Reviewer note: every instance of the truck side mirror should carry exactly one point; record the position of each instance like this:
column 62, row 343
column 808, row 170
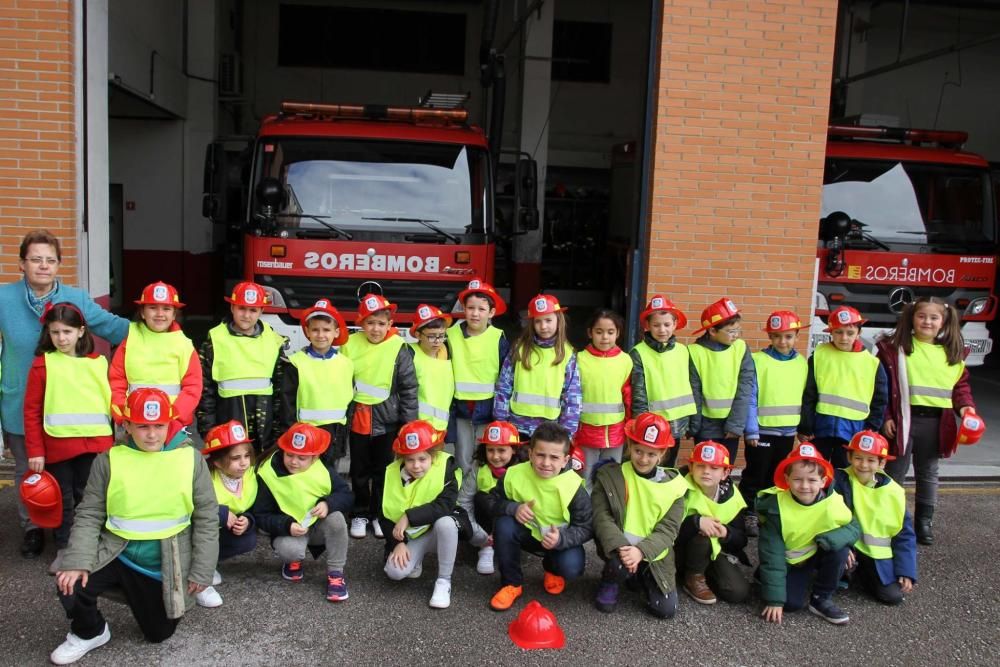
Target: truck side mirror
column 525, row 196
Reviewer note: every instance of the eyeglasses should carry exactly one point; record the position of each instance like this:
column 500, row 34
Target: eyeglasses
column 435, row 338
column 47, row 261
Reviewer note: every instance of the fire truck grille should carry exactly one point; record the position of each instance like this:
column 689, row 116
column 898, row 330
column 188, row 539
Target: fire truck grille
column 873, row 300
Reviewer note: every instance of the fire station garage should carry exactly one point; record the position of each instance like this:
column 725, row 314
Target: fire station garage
column 627, row 148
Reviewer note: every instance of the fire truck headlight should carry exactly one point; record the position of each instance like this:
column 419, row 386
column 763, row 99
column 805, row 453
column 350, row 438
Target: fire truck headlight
column 977, row 306
column 277, row 301
column 819, row 303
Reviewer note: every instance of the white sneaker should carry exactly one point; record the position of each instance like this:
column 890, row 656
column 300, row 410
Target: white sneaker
column 75, row 648
column 441, row 599
column 359, row 527
column 209, row 598
column 377, row 529
column 485, row 563
column 417, row 571
column 216, row 578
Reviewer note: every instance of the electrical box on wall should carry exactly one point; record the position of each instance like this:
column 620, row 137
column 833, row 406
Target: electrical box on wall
column 230, row 74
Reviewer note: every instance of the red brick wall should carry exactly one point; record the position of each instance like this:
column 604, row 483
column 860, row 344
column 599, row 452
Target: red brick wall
column 743, row 99
column 37, row 143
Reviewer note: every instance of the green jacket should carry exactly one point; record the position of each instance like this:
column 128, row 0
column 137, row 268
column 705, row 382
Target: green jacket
column 608, row 499
column 771, row 547
column 191, row 555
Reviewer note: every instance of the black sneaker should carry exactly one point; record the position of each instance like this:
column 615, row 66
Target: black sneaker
column 828, row 611
column 33, row 544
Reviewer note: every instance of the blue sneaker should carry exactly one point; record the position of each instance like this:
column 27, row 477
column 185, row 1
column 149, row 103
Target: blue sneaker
column 607, row 597
column 292, row 571
column 336, row 586
column 828, row 611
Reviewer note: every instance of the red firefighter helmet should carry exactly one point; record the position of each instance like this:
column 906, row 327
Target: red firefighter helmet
column 159, row 294
column 782, row 320
column 805, row 451
column 304, row 440
column 325, row 307
column 661, row 304
column 249, row 295
column 372, row 303
column 544, row 304
column 229, row 434
column 415, row 437
column 651, row 430
column 499, row 434
column 42, row 498
column 710, row 453
column 536, row 627
column 427, row 313
column 720, row 311
column 841, row 316
column 482, row 288
column 148, row 405
column 870, row 442
column 971, row 429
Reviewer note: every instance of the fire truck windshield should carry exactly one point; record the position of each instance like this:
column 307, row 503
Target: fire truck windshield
column 916, row 203
column 370, row 186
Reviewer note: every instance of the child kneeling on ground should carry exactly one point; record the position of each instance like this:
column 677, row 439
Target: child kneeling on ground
column 148, row 524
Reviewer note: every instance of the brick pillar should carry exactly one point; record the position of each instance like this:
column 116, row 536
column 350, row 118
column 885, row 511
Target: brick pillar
column 743, row 99
column 37, row 131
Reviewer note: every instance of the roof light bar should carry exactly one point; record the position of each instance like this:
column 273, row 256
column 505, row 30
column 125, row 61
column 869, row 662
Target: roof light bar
column 376, row 112
column 948, row 138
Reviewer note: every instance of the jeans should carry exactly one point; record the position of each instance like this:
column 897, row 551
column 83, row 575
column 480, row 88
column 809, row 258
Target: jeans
column 510, row 538
column 827, row 566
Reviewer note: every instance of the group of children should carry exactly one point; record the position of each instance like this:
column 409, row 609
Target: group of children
column 511, row 447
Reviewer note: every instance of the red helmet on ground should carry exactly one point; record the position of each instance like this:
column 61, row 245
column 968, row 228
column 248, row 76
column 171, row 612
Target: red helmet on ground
column 159, row 294
column 720, row 311
column 782, row 320
column 148, row 405
column 536, row 627
column 710, row 453
column 250, row 295
column 325, row 307
column 304, row 440
column 805, row 451
column 483, row 288
column 661, row 304
column 544, row 304
column 501, row 434
column 651, row 430
column 415, row 437
column 970, row 429
column 841, row 316
column 870, row 442
column 225, row 435
column 428, row 313
column 372, row 303
column 42, row 497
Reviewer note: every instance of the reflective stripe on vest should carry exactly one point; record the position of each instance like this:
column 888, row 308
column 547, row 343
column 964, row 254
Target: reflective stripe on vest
column 537, row 392
column 236, row 505
column 668, row 380
column 800, row 524
column 476, row 362
column 845, row 381
column 485, row 481
column 297, row 494
column 150, row 495
column 880, row 511
column 647, row 501
column 720, row 376
column 325, row 388
column 931, row 379
column 396, row 498
column 552, row 496
column 435, row 388
column 77, row 401
column 780, row 385
column 156, row 360
column 601, row 381
column 243, row 365
column 696, row 502
column 374, row 366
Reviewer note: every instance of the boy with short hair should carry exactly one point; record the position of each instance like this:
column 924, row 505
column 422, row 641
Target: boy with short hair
column 385, row 398
column 805, row 534
column 542, row 507
column 478, row 350
column 148, row 525
column 886, row 555
column 661, row 375
column 240, row 368
column 435, row 378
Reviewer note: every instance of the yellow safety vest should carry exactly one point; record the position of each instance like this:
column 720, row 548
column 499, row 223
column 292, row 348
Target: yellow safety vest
column 476, row 362
column 647, row 501
column 158, row 360
column 537, row 392
column 435, row 387
column 552, row 496
column 931, row 379
column 77, row 396
column 325, row 388
column 297, row 494
column 396, row 498
column 780, row 385
column 374, row 366
column 720, row 376
column 800, row 524
column 696, row 502
column 880, row 513
column 485, row 481
column 601, row 380
column 150, row 494
column 243, row 365
column 845, row 381
column 668, row 381
column 225, row 497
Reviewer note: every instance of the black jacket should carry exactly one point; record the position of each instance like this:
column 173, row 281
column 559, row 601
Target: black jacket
column 640, row 401
column 276, row 523
column 425, row 515
column 736, row 538
column 581, row 513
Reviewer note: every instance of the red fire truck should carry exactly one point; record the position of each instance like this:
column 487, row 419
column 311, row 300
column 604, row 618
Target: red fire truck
column 906, row 213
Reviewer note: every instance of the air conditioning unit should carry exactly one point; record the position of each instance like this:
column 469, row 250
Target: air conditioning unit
column 230, row 74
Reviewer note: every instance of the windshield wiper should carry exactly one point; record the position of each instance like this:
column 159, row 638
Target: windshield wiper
column 858, row 233
column 426, row 223
column 321, row 219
